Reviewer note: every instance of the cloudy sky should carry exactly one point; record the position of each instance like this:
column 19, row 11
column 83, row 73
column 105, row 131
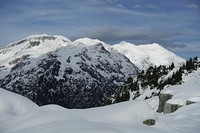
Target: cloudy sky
column 174, row 24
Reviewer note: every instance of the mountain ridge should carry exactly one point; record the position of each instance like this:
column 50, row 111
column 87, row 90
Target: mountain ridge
column 126, row 48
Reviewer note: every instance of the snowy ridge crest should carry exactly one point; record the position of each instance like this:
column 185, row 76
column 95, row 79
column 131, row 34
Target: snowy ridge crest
column 144, row 56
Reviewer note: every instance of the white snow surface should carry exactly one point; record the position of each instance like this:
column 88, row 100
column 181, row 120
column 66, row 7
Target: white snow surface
column 29, row 118
column 188, row 90
column 12, row 104
column 186, row 119
column 126, row 117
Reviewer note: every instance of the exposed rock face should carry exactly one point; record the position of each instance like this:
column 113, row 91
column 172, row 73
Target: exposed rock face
column 149, row 122
column 169, row 108
column 163, row 98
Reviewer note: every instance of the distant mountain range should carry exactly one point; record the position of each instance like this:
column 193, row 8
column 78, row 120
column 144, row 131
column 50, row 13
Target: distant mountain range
column 79, row 74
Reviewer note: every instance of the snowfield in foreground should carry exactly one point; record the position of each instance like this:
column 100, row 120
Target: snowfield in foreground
column 20, row 115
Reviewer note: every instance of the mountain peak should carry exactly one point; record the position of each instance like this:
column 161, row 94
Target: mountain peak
column 152, row 46
column 41, row 38
column 147, row 55
column 45, row 37
column 31, row 46
column 88, row 41
column 126, row 43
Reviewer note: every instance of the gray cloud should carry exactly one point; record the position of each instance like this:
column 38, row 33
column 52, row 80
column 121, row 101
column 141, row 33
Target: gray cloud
column 151, row 6
column 192, row 6
column 139, row 34
column 127, row 11
column 168, row 44
column 100, row 2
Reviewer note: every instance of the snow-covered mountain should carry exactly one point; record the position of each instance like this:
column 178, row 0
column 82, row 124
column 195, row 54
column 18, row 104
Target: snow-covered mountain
column 83, row 73
column 144, row 56
column 52, row 69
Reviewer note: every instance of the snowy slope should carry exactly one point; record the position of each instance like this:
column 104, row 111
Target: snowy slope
column 186, row 119
column 123, row 117
column 12, row 104
column 148, row 55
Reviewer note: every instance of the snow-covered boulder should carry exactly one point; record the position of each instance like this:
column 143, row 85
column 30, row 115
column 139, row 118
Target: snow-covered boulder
column 193, row 100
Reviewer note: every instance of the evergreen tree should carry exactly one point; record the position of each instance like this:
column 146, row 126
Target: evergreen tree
column 129, row 80
column 125, row 96
column 189, row 64
column 172, row 66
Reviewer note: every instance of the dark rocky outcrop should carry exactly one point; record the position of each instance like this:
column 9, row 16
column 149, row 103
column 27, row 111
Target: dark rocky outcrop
column 149, row 122
column 188, row 102
column 163, row 98
column 170, row 108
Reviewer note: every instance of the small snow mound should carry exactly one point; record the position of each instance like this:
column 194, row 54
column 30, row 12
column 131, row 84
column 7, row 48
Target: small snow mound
column 52, row 107
column 130, row 112
column 14, row 103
